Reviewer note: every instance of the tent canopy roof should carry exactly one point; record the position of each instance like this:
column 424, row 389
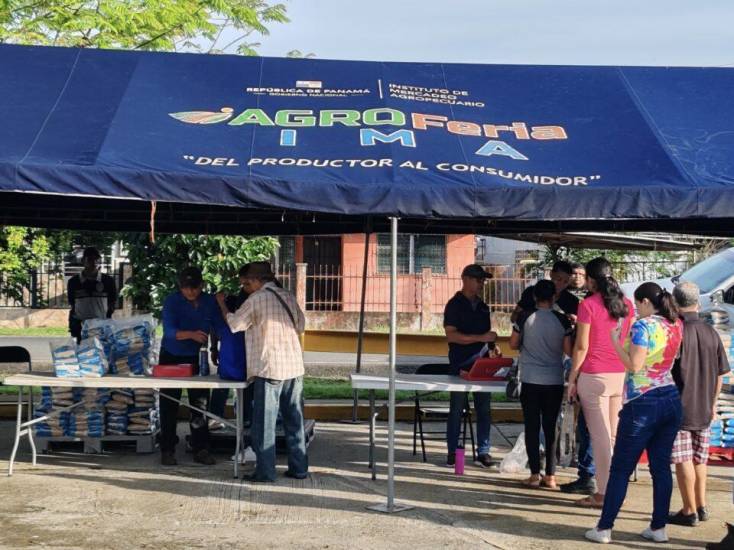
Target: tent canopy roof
column 230, row 144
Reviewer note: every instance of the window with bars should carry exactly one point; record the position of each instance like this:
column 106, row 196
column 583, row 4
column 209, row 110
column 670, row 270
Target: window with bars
column 286, row 252
column 414, row 253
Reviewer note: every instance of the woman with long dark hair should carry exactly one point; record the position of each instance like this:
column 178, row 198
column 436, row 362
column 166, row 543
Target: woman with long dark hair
column 652, row 409
column 597, row 373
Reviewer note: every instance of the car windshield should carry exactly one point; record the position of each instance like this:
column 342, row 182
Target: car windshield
column 712, row 272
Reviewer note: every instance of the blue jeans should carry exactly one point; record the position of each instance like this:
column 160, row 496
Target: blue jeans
column 586, row 468
column 482, row 404
column 271, row 396
column 650, row 423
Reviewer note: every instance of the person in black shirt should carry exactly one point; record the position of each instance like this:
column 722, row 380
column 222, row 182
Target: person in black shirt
column 468, row 329
column 577, row 283
column 92, row 294
column 566, row 302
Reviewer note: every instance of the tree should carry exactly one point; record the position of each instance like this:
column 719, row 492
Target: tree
column 21, row 250
column 207, row 26
column 155, row 266
column 632, row 263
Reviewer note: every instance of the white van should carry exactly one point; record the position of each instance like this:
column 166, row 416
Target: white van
column 714, row 276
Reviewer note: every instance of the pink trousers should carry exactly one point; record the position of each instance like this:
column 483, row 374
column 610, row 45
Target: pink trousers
column 601, row 401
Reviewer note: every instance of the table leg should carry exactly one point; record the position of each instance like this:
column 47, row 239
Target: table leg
column 373, row 463
column 238, row 437
column 30, row 429
column 19, row 418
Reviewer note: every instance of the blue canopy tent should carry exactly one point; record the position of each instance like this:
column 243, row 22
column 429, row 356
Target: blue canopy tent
column 228, row 144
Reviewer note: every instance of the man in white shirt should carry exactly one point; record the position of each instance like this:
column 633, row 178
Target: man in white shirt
column 272, row 322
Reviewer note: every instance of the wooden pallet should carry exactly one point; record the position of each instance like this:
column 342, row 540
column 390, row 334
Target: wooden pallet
column 95, row 445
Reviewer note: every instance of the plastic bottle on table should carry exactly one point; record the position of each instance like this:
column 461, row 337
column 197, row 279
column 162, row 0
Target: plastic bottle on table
column 204, row 359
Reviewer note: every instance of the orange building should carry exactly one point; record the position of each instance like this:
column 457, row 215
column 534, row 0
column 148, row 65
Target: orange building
column 429, row 268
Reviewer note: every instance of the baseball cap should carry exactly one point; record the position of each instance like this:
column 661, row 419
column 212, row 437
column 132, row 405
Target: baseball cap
column 476, row 271
column 190, row 277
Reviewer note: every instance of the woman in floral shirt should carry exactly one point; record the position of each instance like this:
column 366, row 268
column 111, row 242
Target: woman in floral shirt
column 652, row 411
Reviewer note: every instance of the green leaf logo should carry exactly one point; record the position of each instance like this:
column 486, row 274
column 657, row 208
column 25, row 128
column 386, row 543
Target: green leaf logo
column 203, row 117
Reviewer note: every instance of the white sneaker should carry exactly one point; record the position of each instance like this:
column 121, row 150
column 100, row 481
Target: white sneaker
column 215, row 425
column 249, row 456
column 658, row 535
column 602, row 536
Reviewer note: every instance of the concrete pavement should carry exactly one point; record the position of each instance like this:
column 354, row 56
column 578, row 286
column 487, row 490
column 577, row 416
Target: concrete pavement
column 121, row 500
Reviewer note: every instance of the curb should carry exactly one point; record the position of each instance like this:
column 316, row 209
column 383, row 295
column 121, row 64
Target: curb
column 334, row 412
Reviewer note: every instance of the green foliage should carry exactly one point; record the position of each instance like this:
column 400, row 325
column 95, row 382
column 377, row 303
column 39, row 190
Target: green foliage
column 662, row 264
column 155, row 266
column 298, row 54
column 171, row 25
column 21, row 250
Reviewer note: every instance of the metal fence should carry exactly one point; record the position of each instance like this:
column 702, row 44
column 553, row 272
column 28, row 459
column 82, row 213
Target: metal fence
column 329, row 288
column 45, row 287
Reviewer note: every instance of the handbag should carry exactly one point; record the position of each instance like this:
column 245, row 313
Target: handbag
column 512, row 391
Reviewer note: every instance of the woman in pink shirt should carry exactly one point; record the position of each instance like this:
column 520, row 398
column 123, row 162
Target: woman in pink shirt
column 597, row 374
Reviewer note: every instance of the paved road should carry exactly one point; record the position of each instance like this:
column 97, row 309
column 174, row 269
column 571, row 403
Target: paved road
column 41, row 354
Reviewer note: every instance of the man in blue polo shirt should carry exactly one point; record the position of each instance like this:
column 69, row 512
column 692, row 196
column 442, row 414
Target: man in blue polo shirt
column 468, row 327
column 190, row 316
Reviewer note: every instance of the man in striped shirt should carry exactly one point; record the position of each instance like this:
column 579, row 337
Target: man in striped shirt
column 272, row 322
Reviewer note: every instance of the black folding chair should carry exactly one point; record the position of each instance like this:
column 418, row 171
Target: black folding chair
column 438, row 413
column 18, row 354
column 15, row 354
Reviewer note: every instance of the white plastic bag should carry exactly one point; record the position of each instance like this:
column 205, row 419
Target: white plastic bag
column 92, row 359
column 66, row 364
column 129, row 343
column 566, row 435
column 517, row 459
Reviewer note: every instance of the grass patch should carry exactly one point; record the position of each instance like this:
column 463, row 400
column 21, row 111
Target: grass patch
column 324, row 388
column 50, row 332
column 330, row 388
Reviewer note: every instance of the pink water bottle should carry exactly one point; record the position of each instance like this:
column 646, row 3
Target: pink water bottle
column 459, row 461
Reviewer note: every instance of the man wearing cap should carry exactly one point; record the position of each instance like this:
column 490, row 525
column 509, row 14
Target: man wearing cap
column 466, row 320
column 565, row 303
column 92, row 294
column 272, row 322
column 190, row 316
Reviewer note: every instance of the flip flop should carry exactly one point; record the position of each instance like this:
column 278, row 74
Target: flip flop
column 588, row 502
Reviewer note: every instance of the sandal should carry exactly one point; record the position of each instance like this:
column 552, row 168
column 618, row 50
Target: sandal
column 589, row 502
column 533, row 483
column 549, row 484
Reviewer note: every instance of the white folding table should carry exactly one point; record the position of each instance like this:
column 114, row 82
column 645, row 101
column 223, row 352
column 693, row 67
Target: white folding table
column 118, row 382
column 416, row 382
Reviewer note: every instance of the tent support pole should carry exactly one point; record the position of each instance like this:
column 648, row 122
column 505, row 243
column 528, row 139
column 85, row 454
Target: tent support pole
column 360, row 330
column 391, row 506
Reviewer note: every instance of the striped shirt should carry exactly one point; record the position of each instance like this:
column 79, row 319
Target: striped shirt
column 272, row 343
